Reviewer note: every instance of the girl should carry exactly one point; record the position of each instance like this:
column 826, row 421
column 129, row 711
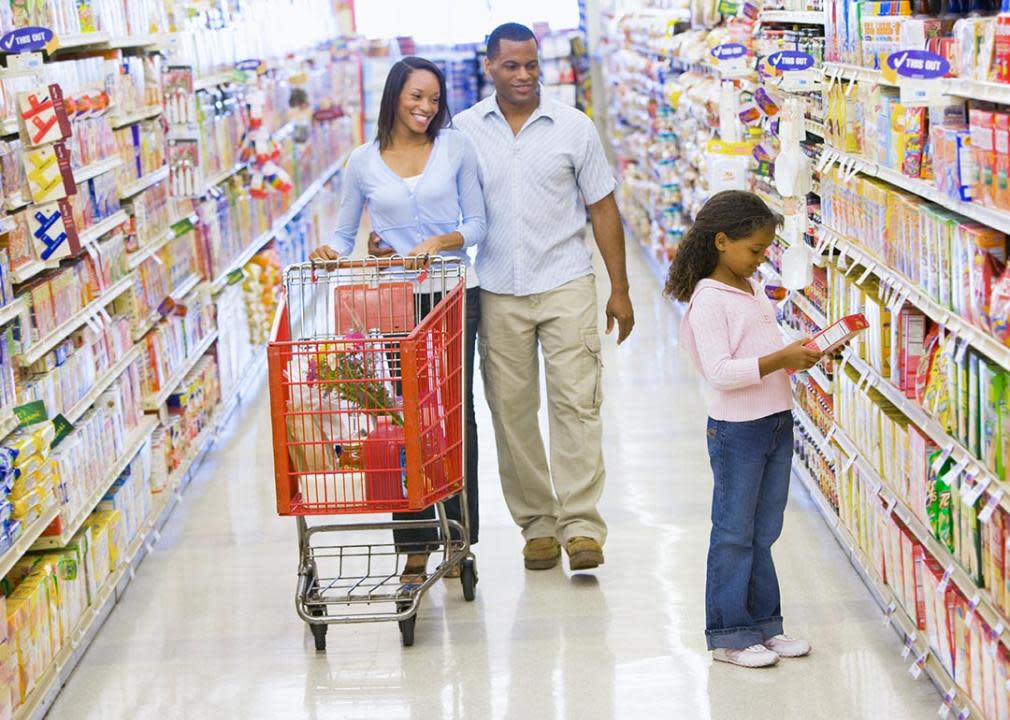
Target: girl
column 420, row 182
column 732, row 337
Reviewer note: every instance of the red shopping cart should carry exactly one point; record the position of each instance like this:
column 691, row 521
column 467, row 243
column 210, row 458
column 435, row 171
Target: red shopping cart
column 366, row 395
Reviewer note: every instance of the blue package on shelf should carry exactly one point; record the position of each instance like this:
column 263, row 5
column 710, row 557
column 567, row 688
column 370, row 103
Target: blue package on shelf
column 6, row 512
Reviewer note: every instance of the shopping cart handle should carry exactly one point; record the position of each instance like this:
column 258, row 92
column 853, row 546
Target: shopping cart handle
column 374, row 262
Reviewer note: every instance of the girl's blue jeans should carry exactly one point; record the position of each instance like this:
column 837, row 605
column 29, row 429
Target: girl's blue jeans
column 752, row 463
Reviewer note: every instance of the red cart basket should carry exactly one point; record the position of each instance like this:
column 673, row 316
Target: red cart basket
column 366, row 381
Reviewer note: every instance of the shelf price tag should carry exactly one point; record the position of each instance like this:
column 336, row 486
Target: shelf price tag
column 962, row 350
column 990, row 506
column 866, row 273
column 848, row 464
column 909, row 644
column 826, row 443
column 964, row 713
column 992, row 647
column 916, row 669
column 731, row 59
column 942, row 459
column 974, row 493
column 947, row 704
column 889, row 612
column 945, row 581
column 892, row 505
column 973, row 604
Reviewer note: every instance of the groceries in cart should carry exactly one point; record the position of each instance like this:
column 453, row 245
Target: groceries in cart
column 358, row 349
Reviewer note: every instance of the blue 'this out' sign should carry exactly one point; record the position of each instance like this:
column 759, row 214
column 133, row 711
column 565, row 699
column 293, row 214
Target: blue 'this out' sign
column 918, row 64
column 790, row 60
column 29, row 39
column 729, row 51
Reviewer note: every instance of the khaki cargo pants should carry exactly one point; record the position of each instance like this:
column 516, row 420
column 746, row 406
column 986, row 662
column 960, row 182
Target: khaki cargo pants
column 559, row 500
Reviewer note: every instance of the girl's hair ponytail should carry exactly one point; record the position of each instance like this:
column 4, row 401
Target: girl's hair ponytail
column 736, row 213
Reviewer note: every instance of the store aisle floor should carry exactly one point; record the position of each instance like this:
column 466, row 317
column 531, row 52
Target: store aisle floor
column 208, row 627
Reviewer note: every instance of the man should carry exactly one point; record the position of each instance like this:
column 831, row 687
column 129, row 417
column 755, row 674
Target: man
column 542, row 164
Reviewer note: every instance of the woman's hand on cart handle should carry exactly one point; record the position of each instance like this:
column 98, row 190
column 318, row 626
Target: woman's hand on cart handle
column 620, row 311
column 377, row 247
column 323, row 253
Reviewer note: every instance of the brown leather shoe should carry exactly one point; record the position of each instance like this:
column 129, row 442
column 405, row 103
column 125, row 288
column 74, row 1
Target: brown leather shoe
column 542, row 553
column 584, row 553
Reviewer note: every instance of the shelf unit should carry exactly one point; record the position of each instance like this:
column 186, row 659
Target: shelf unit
column 132, row 446
column 147, row 113
column 11, row 310
column 138, row 186
column 113, row 588
column 153, row 403
column 987, row 216
column 136, row 259
column 77, row 410
column 793, row 17
column 177, row 294
column 895, row 614
column 966, row 88
column 99, row 230
column 221, row 281
column 29, row 535
column 38, row 349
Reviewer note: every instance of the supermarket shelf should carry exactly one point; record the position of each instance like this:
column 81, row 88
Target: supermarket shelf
column 139, row 186
column 210, row 81
column 815, row 128
column 135, row 260
column 808, row 309
column 986, row 610
column 9, row 127
column 147, row 113
column 8, row 423
column 184, row 289
column 101, row 385
column 218, row 178
column 82, row 40
column 986, row 216
column 811, row 427
column 137, row 41
column 11, row 310
column 927, row 424
column 112, row 590
column 979, row 339
column 28, row 537
column 958, row 87
column 259, row 243
column 97, row 168
column 39, row 348
column 134, row 443
column 793, row 17
column 898, row 618
column 29, row 270
column 769, row 272
column 153, row 403
column 93, row 233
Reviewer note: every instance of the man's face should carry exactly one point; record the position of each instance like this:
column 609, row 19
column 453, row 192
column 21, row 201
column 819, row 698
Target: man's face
column 516, row 72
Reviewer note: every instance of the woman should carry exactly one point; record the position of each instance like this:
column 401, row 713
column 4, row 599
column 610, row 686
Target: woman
column 419, row 179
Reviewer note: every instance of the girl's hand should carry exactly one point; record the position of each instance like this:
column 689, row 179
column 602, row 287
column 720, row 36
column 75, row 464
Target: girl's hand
column 324, row 252
column 797, row 356
column 378, row 248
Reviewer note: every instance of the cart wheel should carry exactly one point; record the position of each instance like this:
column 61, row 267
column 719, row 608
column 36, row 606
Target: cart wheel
column 407, row 630
column 468, row 576
column 319, row 635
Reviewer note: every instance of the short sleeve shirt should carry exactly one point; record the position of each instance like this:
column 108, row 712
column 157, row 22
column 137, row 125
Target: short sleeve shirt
column 537, row 185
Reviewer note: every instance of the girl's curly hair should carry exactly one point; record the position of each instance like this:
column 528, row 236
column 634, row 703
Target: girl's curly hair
column 736, row 213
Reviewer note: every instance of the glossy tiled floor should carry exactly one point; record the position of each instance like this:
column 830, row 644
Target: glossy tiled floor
column 208, row 628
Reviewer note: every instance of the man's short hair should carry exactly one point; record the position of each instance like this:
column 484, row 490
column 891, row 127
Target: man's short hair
column 513, row 32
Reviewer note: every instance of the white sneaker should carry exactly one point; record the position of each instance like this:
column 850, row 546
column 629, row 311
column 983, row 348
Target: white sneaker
column 788, row 647
column 756, row 656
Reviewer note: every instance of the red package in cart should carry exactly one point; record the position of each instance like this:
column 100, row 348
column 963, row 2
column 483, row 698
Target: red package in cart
column 838, row 334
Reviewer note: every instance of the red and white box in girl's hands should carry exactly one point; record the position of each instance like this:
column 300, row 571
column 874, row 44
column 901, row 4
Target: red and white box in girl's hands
column 838, row 334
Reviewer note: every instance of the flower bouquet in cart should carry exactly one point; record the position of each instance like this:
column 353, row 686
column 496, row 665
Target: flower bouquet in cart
column 340, row 393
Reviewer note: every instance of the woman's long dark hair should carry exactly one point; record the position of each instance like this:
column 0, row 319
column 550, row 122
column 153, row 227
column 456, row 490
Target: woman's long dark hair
column 736, row 213
column 395, row 81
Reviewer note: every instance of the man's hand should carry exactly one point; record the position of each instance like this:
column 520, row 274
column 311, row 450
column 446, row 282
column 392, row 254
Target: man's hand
column 431, row 246
column 377, row 248
column 619, row 309
column 324, row 252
